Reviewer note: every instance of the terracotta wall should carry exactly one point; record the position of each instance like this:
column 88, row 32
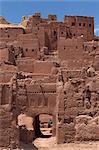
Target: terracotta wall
column 10, row 34
column 81, row 25
column 43, row 67
column 70, row 48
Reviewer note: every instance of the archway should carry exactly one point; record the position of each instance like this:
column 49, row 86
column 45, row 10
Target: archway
column 43, row 124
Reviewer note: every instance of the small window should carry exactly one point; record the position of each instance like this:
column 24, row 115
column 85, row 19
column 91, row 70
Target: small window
column 74, row 34
column 54, row 33
column 38, row 28
column 90, row 25
column 13, row 49
column 76, row 47
column 79, row 24
column 64, row 47
column 8, row 36
column 53, row 19
column 32, row 50
column 84, row 24
column 15, row 56
column 94, row 47
column 26, row 49
column 62, row 32
column 73, row 23
column 6, row 30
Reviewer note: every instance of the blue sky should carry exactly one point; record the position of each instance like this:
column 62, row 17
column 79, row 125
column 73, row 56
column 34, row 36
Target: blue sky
column 13, row 10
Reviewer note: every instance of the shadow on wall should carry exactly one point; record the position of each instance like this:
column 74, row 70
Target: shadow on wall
column 43, row 126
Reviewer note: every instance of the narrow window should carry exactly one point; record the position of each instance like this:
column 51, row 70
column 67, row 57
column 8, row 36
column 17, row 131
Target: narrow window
column 26, row 49
column 73, row 23
column 90, row 25
column 62, row 32
column 15, row 56
column 79, row 24
column 32, row 50
column 83, row 24
column 94, row 47
column 54, row 33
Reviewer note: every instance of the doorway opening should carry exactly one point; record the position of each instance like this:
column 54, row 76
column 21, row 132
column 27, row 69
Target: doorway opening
column 43, row 125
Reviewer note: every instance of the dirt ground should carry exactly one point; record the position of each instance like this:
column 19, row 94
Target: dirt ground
column 50, row 144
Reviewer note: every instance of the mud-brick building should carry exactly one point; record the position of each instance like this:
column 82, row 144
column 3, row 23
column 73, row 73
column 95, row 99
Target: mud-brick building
column 49, row 67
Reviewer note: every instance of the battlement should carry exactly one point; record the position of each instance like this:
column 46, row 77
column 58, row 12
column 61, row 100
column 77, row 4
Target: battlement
column 52, row 17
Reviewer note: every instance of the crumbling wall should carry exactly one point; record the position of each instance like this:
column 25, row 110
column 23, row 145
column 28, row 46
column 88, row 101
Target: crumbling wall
column 6, row 72
column 25, row 65
column 87, row 128
column 10, row 33
column 43, row 67
column 78, row 96
column 9, row 135
column 81, row 25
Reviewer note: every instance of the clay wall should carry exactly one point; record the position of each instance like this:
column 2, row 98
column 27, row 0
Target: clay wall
column 34, row 20
column 32, row 42
column 52, row 17
column 92, row 51
column 7, row 72
column 4, row 54
column 43, row 67
column 10, row 34
column 9, row 134
column 63, row 31
column 73, row 103
column 70, row 48
column 51, row 35
column 39, row 33
column 40, row 98
column 5, row 94
column 81, row 26
column 25, row 65
column 29, row 44
column 7, row 55
column 6, row 76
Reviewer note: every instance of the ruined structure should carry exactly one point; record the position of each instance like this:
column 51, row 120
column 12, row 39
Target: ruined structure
column 49, row 67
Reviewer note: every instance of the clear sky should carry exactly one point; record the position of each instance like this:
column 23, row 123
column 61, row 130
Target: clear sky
column 13, row 10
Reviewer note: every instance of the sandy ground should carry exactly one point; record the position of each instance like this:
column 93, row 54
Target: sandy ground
column 50, row 144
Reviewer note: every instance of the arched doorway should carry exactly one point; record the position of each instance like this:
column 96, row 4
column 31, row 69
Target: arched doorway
column 43, row 124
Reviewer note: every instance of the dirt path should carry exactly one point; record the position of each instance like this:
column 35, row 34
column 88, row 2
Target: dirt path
column 50, row 144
